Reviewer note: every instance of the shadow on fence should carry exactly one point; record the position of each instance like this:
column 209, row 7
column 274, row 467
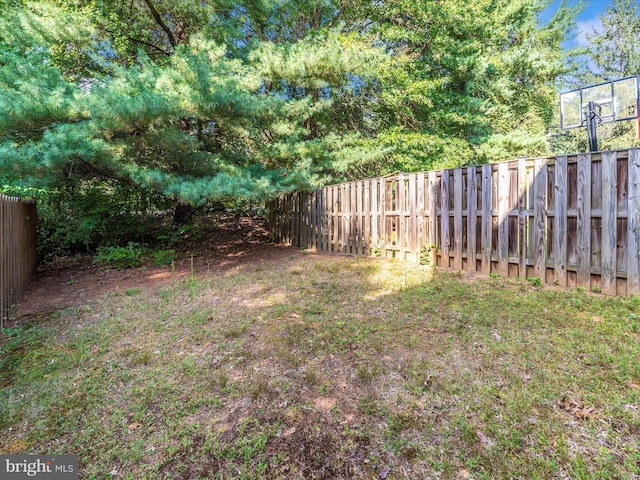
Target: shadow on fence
column 569, row 220
column 18, row 259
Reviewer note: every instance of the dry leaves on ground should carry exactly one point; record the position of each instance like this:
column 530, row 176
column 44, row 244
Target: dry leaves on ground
column 572, row 406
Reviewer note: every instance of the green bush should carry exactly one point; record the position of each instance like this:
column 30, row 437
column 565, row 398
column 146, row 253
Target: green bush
column 164, row 257
column 120, row 257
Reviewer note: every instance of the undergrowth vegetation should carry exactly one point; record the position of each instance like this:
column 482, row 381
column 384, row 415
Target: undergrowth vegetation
column 321, row 367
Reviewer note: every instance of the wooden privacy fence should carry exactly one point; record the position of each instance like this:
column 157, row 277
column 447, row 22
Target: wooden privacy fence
column 570, row 220
column 17, row 249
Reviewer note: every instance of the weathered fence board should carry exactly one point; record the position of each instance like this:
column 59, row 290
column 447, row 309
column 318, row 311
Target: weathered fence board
column 571, row 220
column 17, row 251
column 633, row 225
column 583, row 232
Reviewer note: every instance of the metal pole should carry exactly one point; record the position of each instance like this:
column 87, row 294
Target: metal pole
column 592, row 127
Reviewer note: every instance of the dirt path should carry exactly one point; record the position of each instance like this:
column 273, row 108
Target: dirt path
column 230, row 243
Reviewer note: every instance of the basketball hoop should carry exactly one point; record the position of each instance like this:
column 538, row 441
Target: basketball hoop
column 603, row 103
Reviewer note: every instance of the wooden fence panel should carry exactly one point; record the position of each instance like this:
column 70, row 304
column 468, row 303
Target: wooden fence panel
column 18, row 256
column 571, row 220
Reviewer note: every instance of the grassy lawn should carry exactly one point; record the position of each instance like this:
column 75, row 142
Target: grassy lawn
column 331, row 367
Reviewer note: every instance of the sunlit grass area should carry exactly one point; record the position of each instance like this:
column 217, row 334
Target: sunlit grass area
column 331, row 367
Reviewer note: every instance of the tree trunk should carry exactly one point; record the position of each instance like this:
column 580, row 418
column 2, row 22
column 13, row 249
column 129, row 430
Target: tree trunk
column 183, row 213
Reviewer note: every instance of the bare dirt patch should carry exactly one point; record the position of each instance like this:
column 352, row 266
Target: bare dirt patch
column 228, row 243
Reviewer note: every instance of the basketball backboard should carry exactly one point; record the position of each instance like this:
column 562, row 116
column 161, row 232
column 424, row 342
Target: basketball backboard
column 612, row 102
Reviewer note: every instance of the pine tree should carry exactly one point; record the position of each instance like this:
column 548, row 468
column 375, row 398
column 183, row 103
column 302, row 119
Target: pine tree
column 161, row 104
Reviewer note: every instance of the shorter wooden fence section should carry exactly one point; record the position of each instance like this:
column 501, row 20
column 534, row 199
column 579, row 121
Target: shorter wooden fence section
column 18, row 259
column 570, row 220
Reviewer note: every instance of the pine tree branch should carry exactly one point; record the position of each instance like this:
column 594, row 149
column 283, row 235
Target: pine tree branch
column 148, row 44
column 160, row 22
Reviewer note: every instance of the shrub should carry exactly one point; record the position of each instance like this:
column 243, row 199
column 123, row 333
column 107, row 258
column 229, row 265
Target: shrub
column 164, row 257
column 120, row 257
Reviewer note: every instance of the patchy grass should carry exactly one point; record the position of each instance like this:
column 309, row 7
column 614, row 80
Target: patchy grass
column 324, row 367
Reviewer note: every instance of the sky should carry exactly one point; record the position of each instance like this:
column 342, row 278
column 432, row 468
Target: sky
column 586, row 20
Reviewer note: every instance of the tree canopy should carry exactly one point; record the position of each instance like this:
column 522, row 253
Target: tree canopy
column 190, row 102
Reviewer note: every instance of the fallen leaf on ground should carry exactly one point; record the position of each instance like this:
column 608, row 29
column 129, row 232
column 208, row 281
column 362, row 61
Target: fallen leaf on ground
column 572, row 406
column 384, row 473
column 463, row 473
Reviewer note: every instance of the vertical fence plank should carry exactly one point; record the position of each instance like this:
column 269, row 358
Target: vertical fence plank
column 522, row 219
column 375, row 236
column 560, row 222
column 344, row 221
column 312, row 228
column 294, row 219
column 472, row 200
column 609, row 223
column 321, row 207
column 333, row 222
column 335, row 227
column 402, row 242
column 633, row 224
column 584, row 221
column 444, row 219
column 486, row 219
column 367, row 218
column 503, row 218
column 457, row 219
column 540, row 218
column 355, row 213
column 432, row 190
column 383, row 217
column 413, row 223
column 361, row 218
column 420, row 214
column 432, row 239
